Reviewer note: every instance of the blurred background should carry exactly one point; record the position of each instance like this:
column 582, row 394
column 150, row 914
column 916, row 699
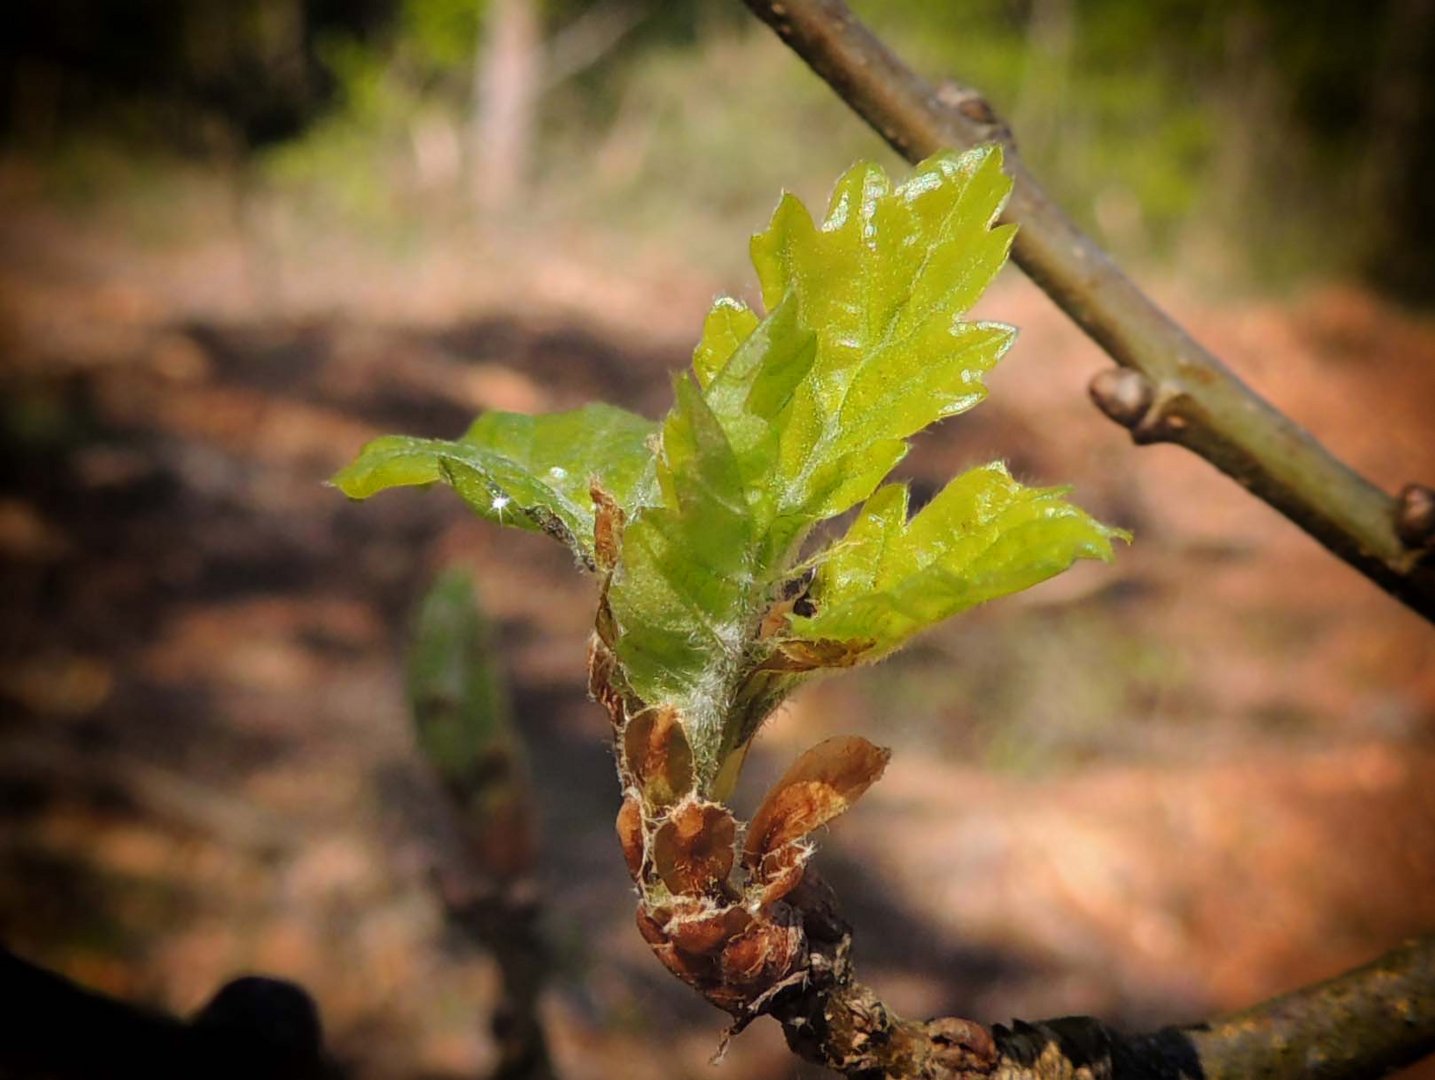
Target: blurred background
column 239, row 238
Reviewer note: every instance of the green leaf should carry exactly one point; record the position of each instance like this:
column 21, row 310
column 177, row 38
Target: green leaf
column 683, row 591
column 533, row 472
column 728, row 325
column 785, row 420
column 696, row 572
column 799, row 416
column 884, row 281
column 750, row 397
column 983, row 536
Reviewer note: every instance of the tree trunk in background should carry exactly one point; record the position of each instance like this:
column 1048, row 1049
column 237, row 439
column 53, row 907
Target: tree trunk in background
column 1259, row 149
column 1040, row 111
column 1393, row 182
column 504, row 89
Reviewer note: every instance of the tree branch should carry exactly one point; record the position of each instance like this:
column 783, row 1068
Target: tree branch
column 1362, row 1024
column 1184, row 393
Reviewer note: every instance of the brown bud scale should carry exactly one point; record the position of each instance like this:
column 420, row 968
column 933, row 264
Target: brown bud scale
column 630, row 834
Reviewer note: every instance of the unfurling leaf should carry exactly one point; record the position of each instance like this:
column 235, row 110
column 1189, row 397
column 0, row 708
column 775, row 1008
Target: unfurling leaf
column 463, row 721
column 728, row 325
column 530, row 471
column 713, row 603
column 983, row 536
column 460, row 706
column 884, row 282
column 682, row 586
column 787, row 419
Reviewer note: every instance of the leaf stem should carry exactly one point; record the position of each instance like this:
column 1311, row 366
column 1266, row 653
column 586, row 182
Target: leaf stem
column 1202, row 405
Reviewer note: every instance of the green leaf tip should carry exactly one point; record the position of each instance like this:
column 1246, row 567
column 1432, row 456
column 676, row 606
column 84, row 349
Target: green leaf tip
column 728, row 325
column 884, row 282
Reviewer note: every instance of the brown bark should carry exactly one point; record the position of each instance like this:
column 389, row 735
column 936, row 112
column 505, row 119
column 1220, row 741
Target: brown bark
column 1364, row 1023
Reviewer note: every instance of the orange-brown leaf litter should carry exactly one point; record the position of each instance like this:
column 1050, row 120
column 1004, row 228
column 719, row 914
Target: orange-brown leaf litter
column 1146, row 791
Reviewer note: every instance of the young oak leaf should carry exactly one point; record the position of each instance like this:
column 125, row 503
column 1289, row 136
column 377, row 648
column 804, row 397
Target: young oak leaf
column 751, row 395
column 802, row 414
column 465, row 729
column 696, row 568
column 459, row 704
column 785, row 421
column 884, row 282
column 685, row 582
column 728, row 325
column 533, row 472
column 983, row 536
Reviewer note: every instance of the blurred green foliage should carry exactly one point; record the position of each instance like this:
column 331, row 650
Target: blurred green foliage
column 1222, row 135
column 463, row 721
column 461, row 708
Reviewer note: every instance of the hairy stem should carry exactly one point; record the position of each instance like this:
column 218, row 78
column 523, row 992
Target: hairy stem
column 1194, row 399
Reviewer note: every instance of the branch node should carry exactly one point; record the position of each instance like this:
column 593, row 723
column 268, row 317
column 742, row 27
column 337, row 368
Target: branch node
column 1129, row 398
column 972, row 105
column 1415, row 517
column 1142, row 408
column 961, row 1046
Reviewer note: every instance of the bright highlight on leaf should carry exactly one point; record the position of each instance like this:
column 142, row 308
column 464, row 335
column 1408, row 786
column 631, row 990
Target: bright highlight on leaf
column 786, row 420
column 530, row 471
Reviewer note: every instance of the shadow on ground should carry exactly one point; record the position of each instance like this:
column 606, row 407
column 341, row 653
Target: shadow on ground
column 205, row 764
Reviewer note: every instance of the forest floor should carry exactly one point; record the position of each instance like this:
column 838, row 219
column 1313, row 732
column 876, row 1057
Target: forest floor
column 1180, row 783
